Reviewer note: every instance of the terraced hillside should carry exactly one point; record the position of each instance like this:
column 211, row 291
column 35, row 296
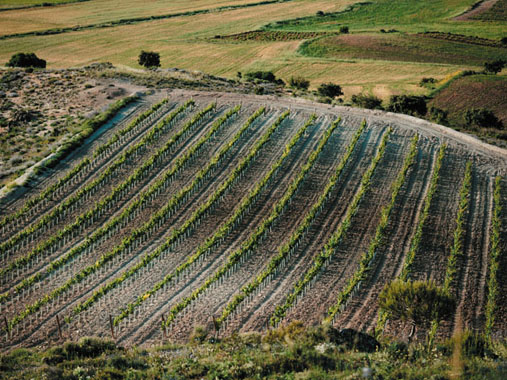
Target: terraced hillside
column 241, row 213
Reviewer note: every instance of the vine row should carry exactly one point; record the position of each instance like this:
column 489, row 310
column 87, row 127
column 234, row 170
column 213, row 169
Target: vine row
column 494, row 259
column 325, row 255
column 416, row 240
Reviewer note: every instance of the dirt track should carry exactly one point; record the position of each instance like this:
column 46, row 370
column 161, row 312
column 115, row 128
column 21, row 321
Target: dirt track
column 143, row 326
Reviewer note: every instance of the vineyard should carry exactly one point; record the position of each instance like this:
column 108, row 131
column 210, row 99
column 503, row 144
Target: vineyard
column 241, row 213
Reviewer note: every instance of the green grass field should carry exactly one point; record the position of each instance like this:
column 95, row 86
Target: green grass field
column 394, row 65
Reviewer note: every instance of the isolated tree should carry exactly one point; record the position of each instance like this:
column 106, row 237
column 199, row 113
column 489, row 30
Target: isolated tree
column 299, row 83
column 330, row 90
column 26, row 60
column 495, row 66
column 367, row 101
column 149, row 59
column 344, row 29
column 416, row 302
column 408, row 104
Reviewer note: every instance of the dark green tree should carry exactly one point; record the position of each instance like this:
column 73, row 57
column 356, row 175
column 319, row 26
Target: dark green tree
column 408, row 104
column 495, row 66
column 482, row 117
column 416, row 302
column 26, row 60
column 367, row 101
column 149, row 59
column 330, row 90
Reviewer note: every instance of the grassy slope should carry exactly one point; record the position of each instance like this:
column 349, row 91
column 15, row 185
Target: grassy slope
column 24, row 3
column 478, row 91
column 402, row 47
column 290, row 353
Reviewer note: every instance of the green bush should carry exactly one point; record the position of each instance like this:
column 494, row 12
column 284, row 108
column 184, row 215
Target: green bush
column 299, row 83
column 408, row 104
column 330, row 90
column 149, row 59
column 438, row 116
column 344, row 29
column 26, row 60
column 367, row 101
column 482, row 117
column 495, row 66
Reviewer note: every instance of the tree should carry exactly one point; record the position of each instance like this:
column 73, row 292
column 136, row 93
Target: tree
column 367, row 101
column 495, row 66
column 344, row 29
column 299, row 83
column 482, row 117
column 438, row 116
column 416, row 302
column 330, row 90
column 26, row 60
column 149, row 59
column 408, row 104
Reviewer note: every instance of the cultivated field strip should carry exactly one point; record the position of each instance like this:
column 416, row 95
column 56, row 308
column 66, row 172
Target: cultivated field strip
column 240, row 218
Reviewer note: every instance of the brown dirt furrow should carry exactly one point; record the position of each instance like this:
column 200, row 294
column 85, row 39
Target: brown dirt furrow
column 437, row 236
column 319, row 297
column 260, row 209
column 183, row 179
column 361, row 311
column 500, row 323
column 470, row 281
column 99, row 137
column 255, row 314
column 138, row 188
column 94, row 319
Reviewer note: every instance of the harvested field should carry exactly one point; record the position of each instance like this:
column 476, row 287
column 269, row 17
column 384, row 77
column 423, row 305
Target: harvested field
column 216, row 207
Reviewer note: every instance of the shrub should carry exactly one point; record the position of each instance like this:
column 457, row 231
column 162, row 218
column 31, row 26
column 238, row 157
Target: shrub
column 299, row 83
column 504, row 40
column 408, row 104
column 344, row 29
column 482, row 117
column 320, row 13
column 330, row 90
column 427, row 82
column 495, row 66
column 438, row 116
column 149, row 59
column 26, row 60
column 267, row 76
column 199, row 334
column 417, row 302
column 367, row 101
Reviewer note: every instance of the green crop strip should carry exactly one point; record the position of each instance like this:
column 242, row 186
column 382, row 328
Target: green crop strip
column 236, row 258
column 286, row 250
column 83, row 219
column 128, row 214
column 94, row 124
column 322, row 258
column 459, row 232
column 494, row 259
column 206, row 247
column 416, row 241
column 378, row 240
